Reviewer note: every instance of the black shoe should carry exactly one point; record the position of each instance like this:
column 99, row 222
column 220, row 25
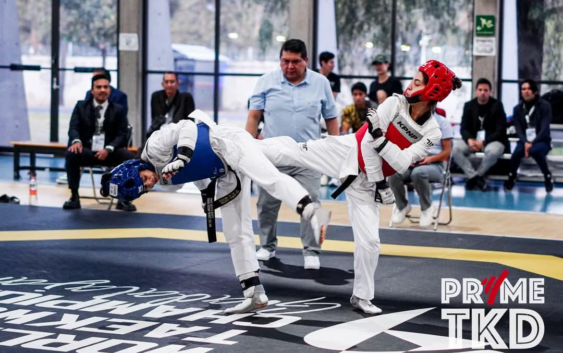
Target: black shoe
column 126, row 206
column 548, row 183
column 72, row 204
column 471, row 183
column 509, row 184
column 482, row 184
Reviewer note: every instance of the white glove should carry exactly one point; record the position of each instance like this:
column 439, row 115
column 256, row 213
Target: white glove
column 176, row 165
column 373, row 118
column 384, row 196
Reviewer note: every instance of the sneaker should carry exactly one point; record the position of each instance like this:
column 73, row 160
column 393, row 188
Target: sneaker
column 62, row 180
column 312, row 262
column 399, row 216
column 265, row 255
column 509, row 184
column 364, row 305
column 470, row 184
column 334, row 182
column 427, row 217
column 319, row 218
column 482, row 184
column 548, row 183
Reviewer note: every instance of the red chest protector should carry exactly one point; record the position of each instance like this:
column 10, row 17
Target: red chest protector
column 393, row 134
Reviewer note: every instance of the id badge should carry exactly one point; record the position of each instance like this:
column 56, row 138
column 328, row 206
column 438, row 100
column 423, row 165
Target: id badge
column 530, row 134
column 98, row 142
column 481, row 135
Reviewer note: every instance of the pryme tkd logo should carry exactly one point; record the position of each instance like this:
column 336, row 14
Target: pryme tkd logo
column 524, row 291
column 526, row 326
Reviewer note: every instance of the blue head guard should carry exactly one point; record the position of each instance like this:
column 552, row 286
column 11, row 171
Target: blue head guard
column 124, row 181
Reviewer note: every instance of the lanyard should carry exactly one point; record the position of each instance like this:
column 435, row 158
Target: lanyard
column 530, row 114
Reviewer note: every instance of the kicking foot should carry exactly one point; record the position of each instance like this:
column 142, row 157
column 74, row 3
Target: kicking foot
column 319, row 218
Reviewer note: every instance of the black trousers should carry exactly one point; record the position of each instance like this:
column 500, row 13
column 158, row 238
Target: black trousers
column 538, row 151
column 86, row 159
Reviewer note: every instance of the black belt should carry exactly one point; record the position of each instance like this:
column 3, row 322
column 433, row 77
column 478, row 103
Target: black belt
column 349, row 180
column 211, row 205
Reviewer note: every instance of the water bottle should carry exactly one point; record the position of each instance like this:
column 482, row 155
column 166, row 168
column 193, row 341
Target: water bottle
column 33, row 191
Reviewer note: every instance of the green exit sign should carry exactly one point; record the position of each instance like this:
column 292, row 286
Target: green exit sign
column 485, row 25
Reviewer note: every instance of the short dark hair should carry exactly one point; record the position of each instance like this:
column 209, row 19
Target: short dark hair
column 105, row 72
column 484, row 81
column 359, row 86
column 325, row 56
column 532, row 83
column 99, row 77
column 294, row 46
column 170, row 73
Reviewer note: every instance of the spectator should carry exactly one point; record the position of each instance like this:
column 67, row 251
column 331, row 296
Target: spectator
column 326, row 60
column 429, row 170
column 292, row 100
column 532, row 117
column 385, row 85
column 98, row 136
column 483, row 128
column 355, row 115
column 115, row 96
column 169, row 105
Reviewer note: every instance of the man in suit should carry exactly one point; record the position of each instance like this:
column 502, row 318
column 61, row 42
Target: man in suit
column 98, row 136
column 115, row 95
column 169, row 105
column 483, row 128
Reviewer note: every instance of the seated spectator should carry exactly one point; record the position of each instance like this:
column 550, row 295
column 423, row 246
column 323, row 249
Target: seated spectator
column 429, row 170
column 97, row 136
column 483, row 128
column 385, row 85
column 169, row 105
column 326, row 60
column 531, row 120
column 115, row 96
column 355, row 115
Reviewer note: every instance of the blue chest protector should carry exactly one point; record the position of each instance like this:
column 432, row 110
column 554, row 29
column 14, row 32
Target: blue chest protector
column 204, row 163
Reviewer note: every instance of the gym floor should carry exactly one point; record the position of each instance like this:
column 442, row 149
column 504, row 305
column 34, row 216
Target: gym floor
column 94, row 280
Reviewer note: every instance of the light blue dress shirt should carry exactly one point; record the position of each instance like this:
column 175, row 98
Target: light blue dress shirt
column 293, row 110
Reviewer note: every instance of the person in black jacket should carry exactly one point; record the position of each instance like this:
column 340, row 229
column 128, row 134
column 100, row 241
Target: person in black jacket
column 169, row 105
column 98, row 136
column 483, row 128
column 531, row 120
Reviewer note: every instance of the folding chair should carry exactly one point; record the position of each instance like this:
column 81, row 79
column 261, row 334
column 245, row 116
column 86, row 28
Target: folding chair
column 446, row 186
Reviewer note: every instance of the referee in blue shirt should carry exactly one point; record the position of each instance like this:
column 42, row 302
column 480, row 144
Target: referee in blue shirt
column 292, row 100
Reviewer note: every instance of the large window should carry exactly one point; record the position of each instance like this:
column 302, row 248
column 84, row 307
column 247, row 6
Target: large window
column 26, row 39
column 84, row 44
column 440, row 30
column 251, row 33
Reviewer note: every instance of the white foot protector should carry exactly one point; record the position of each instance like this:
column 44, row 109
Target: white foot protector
column 319, row 218
column 364, row 305
column 258, row 301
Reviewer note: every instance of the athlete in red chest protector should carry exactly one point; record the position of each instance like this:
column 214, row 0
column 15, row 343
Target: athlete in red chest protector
column 399, row 133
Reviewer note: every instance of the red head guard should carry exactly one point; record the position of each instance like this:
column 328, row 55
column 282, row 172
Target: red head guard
column 440, row 82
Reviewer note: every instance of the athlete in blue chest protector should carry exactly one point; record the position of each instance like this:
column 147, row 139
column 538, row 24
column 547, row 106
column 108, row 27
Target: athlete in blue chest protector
column 224, row 160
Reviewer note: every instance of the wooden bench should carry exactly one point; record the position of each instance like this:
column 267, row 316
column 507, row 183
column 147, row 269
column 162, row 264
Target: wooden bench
column 33, row 148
